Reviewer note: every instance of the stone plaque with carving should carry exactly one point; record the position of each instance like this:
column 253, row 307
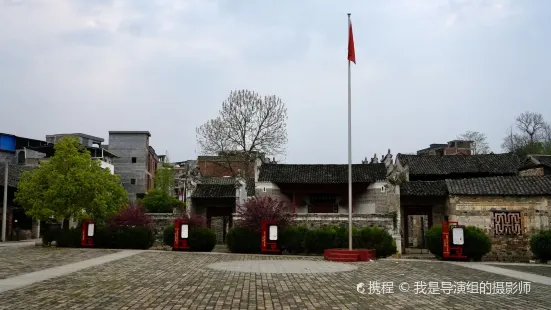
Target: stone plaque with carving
column 506, row 223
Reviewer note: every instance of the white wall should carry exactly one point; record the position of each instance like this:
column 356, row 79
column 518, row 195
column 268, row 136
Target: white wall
column 108, row 166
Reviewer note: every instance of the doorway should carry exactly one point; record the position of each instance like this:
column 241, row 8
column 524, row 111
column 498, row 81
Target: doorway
column 417, row 221
column 220, row 220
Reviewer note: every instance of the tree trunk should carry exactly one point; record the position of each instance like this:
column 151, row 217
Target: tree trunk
column 65, row 224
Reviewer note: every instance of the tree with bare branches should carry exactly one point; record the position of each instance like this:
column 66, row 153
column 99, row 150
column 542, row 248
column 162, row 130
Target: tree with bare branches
column 533, row 135
column 480, row 145
column 248, row 125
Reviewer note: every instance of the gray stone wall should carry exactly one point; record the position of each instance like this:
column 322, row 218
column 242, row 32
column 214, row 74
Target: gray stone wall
column 127, row 146
column 358, row 220
column 7, row 157
column 160, row 222
column 535, row 213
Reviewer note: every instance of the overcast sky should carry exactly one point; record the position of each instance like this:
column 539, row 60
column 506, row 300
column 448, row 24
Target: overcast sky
column 426, row 70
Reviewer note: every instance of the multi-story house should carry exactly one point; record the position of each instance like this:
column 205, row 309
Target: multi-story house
column 137, row 161
column 454, row 147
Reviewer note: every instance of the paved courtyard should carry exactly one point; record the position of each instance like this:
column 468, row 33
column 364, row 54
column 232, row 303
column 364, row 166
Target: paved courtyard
column 175, row 280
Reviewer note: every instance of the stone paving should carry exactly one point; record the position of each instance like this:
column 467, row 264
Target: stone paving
column 542, row 270
column 20, row 260
column 175, row 280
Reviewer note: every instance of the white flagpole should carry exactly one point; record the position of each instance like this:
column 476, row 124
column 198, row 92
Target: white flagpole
column 349, row 152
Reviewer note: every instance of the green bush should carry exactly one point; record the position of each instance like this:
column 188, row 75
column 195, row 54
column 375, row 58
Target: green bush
column 477, row 243
column 292, row 239
column 202, row 239
column 131, row 237
column 243, row 240
column 377, row 239
column 319, row 239
column 168, row 235
column 433, row 239
column 540, row 245
column 70, row 238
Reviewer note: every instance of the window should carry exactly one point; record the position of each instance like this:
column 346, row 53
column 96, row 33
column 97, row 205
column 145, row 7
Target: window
column 383, row 189
column 132, row 181
column 140, row 195
column 264, row 189
column 134, row 160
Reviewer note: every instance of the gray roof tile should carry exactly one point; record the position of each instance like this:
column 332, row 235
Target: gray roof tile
column 321, row 174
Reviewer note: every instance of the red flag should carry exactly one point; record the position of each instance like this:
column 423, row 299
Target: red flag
column 351, row 52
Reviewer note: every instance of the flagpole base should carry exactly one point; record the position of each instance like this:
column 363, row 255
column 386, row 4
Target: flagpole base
column 346, row 255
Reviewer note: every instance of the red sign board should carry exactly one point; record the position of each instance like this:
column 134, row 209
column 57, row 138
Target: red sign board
column 181, row 234
column 269, row 236
column 88, row 232
column 449, row 251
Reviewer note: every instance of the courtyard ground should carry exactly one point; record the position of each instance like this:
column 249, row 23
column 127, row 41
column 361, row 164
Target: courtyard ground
column 111, row 279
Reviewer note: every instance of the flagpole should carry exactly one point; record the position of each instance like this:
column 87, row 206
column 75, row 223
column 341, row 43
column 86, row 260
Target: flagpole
column 349, row 152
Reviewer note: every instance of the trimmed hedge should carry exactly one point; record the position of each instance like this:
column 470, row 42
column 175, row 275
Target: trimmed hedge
column 202, row 239
column 477, row 243
column 243, row 240
column 168, row 235
column 540, row 245
column 315, row 241
column 292, row 239
column 125, row 237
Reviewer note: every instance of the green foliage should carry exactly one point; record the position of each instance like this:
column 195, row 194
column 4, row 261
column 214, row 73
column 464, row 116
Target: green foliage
column 168, row 235
column 377, row 239
column 477, row 243
column 70, row 185
column 433, row 239
column 164, row 178
column 202, row 239
column 243, row 240
column 159, row 201
column 292, row 238
column 540, row 245
column 70, row 238
column 131, row 238
column 319, row 239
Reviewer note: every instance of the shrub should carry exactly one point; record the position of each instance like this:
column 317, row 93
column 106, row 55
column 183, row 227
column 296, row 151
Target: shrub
column 377, row 239
column 292, row 238
column 319, row 239
column 202, row 239
column 194, row 221
column 243, row 240
column 128, row 237
column 256, row 209
column 159, row 201
column 70, row 238
column 132, row 215
column 477, row 244
column 540, row 245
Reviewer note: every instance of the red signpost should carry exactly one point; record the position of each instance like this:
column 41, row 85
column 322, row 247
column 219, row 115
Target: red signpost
column 270, row 236
column 181, row 235
column 88, row 232
column 452, row 248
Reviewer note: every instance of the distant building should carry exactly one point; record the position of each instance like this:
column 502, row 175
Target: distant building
column 455, row 147
column 137, row 161
column 92, row 144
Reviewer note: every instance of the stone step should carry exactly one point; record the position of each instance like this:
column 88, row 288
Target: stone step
column 338, row 258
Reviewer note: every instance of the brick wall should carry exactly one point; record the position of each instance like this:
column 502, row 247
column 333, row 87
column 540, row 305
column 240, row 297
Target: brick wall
column 219, row 169
column 478, row 211
column 531, row 172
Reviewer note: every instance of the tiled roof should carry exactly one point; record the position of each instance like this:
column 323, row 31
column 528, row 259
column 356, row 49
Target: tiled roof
column 424, row 188
column 544, row 160
column 14, row 172
column 488, row 164
column 220, row 187
column 501, row 186
column 321, row 174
